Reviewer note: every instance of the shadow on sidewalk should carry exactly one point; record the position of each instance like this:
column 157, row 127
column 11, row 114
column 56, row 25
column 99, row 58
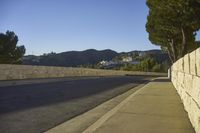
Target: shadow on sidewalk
column 161, row 80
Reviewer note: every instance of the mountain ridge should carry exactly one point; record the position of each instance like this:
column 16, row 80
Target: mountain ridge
column 77, row 58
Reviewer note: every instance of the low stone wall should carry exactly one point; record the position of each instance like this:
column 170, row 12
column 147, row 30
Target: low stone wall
column 8, row 72
column 185, row 75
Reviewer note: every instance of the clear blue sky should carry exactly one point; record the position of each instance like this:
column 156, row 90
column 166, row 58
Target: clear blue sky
column 64, row 25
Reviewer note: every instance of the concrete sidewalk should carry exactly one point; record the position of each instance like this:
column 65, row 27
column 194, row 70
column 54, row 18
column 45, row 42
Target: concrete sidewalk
column 155, row 108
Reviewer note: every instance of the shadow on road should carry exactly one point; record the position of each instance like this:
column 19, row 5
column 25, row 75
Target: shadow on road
column 20, row 97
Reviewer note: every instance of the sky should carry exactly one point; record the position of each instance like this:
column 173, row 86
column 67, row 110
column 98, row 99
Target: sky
column 43, row 26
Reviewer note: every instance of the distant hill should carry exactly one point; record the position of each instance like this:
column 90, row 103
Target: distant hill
column 71, row 58
column 90, row 56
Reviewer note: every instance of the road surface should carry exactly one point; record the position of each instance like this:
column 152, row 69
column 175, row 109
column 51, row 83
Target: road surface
column 34, row 106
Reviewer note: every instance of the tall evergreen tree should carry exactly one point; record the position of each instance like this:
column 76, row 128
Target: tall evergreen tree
column 172, row 24
column 10, row 53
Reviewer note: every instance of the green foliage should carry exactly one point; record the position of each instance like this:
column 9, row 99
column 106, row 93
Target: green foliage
column 148, row 65
column 10, row 53
column 157, row 68
column 129, row 67
column 172, row 24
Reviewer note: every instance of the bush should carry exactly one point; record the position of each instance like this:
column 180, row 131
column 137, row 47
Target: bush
column 157, row 68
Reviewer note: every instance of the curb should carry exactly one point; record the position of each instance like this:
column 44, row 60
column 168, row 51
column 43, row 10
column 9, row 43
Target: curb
column 110, row 113
column 71, row 125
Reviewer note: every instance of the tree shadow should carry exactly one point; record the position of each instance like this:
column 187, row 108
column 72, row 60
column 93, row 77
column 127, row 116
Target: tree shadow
column 21, row 97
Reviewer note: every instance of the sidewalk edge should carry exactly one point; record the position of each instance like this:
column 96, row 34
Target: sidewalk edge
column 110, row 113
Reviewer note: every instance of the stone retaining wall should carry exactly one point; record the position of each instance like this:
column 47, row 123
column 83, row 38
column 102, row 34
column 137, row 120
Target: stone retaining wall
column 8, row 72
column 185, row 75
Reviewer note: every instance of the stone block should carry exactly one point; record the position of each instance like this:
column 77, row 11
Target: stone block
column 181, row 65
column 194, row 115
column 174, row 67
column 192, row 59
column 174, row 81
column 198, row 61
column 181, row 91
column 186, row 101
column 196, row 90
column 181, row 79
column 186, row 64
column 188, row 83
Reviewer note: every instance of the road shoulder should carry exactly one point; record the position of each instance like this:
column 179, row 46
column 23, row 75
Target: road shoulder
column 85, row 120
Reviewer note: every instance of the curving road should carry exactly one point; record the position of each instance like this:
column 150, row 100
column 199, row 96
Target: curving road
column 34, row 106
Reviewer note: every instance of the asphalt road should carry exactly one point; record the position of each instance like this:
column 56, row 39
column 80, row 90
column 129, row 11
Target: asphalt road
column 34, row 106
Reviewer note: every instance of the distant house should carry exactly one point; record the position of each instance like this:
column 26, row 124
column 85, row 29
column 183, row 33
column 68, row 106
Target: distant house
column 108, row 64
column 103, row 62
column 127, row 59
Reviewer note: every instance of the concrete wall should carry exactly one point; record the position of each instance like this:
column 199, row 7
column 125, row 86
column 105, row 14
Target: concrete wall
column 8, row 72
column 185, row 75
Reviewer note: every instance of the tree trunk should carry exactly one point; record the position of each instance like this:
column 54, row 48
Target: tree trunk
column 170, row 55
column 173, row 50
column 183, row 50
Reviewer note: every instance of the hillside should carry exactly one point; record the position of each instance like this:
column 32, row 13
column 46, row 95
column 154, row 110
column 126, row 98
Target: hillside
column 71, row 58
column 88, row 57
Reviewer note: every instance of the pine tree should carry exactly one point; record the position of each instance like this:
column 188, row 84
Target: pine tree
column 10, row 53
column 172, row 24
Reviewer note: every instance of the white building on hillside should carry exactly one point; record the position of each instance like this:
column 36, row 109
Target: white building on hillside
column 127, row 59
column 108, row 63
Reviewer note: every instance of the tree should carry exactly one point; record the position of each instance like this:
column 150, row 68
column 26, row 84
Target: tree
column 147, row 64
column 172, row 24
column 10, row 53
